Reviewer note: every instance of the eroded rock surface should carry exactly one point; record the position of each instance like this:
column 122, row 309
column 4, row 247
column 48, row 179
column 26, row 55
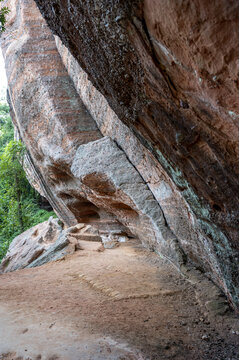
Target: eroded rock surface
column 148, row 146
column 30, row 245
column 95, row 183
column 46, row 242
column 66, row 243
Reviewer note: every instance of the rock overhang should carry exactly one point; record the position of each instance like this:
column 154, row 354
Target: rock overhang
column 180, row 113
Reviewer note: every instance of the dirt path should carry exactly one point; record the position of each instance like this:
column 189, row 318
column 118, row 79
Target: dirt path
column 125, row 303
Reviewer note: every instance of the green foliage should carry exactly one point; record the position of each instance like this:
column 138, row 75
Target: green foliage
column 19, row 202
column 6, row 128
column 3, row 12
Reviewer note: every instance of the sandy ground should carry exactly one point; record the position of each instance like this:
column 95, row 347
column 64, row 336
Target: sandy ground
column 124, row 303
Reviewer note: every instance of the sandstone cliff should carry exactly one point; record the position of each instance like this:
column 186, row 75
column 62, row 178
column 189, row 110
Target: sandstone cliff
column 147, row 145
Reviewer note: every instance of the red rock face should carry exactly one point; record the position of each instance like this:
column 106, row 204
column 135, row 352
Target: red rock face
column 197, row 45
column 169, row 72
column 86, row 177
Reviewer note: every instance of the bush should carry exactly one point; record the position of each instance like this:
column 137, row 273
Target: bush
column 3, row 12
column 19, row 202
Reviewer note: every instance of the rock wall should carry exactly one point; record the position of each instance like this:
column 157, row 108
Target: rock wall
column 86, row 177
column 147, row 145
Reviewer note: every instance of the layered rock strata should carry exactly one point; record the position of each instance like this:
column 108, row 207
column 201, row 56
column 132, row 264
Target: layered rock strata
column 167, row 81
column 85, row 176
column 201, row 248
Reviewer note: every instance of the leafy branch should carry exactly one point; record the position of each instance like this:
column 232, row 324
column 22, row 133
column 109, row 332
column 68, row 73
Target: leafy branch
column 19, row 202
column 3, row 12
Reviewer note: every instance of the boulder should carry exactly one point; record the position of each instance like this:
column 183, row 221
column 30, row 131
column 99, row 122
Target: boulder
column 46, row 242
column 31, row 244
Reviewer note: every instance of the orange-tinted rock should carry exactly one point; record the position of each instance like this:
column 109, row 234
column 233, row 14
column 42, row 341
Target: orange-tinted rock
column 169, row 73
column 85, row 176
